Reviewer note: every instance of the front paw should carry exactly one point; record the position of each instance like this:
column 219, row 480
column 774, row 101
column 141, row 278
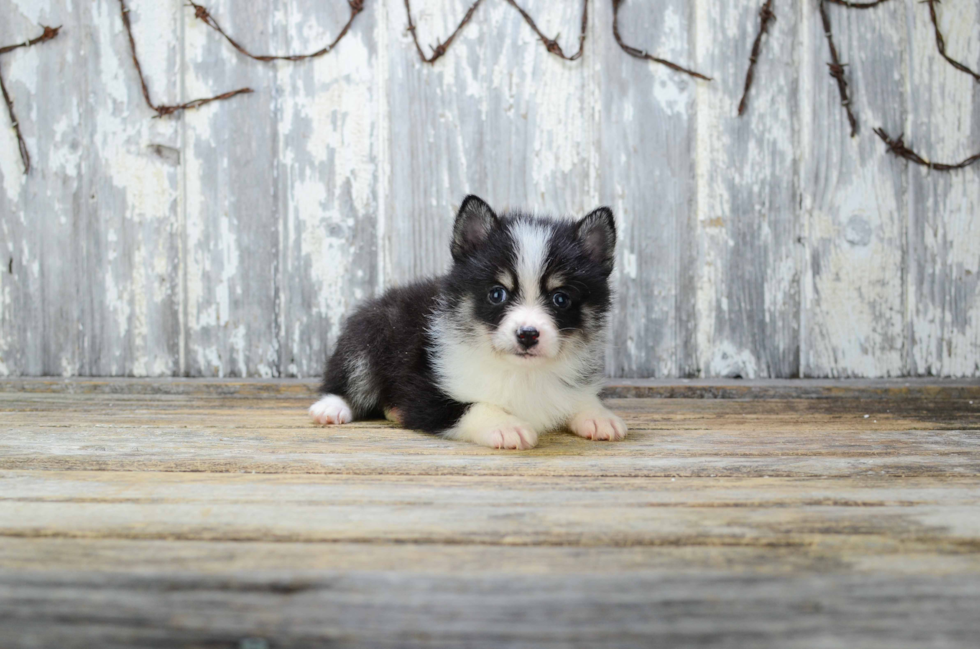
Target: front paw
column 331, row 410
column 515, row 436
column 599, row 425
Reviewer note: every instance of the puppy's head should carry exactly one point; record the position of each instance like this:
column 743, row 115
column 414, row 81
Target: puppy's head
column 530, row 285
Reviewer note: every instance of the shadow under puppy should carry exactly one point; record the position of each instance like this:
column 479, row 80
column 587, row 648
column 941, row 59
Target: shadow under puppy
column 506, row 346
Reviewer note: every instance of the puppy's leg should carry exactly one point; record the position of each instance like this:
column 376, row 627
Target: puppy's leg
column 331, row 409
column 490, row 426
column 394, row 415
column 595, row 421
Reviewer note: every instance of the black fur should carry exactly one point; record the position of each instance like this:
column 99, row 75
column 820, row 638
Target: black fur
column 392, row 332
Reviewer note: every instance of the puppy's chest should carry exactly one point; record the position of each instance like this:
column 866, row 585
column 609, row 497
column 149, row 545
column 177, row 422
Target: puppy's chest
column 541, row 398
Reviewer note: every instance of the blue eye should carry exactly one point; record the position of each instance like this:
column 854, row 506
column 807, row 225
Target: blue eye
column 561, row 300
column 497, row 295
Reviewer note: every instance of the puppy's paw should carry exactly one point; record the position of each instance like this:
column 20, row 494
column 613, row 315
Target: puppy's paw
column 394, row 415
column 515, row 436
column 599, row 425
column 331, row 409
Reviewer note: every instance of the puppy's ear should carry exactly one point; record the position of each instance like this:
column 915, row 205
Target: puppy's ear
column 597, row 234
column 473, row 223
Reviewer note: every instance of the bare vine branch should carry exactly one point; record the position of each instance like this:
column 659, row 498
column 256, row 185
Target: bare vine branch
column 857, row 5
column 941, row 43
column 837, row 68
column 162, row 110
column 551, row 44
column 47, row 34
column 897, row 147
column 766, row 16
column 440, row 49
column 202, row 14
column 642, row 54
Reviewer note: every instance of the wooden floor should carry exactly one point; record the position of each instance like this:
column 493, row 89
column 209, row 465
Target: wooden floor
column 183, row 514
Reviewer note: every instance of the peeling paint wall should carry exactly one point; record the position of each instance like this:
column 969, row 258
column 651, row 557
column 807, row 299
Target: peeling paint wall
column 233, row 240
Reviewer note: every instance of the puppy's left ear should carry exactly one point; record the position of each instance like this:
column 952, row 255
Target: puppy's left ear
column 597, row 234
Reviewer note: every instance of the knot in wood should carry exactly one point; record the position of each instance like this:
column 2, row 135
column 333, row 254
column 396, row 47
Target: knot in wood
column 49, row 33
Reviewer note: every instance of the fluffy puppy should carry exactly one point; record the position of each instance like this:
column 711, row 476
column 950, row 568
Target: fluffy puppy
column 507, row 345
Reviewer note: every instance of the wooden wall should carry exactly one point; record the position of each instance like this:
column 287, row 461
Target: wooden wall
column 232, row 240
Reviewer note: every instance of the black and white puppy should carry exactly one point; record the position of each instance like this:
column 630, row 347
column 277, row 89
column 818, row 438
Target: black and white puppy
column 506, row 346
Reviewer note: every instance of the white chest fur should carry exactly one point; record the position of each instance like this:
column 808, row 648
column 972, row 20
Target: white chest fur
column 545, row 396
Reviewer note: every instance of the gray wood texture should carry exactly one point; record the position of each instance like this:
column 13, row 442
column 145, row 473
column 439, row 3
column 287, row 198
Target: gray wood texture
column 232, row 241
column 202, row 513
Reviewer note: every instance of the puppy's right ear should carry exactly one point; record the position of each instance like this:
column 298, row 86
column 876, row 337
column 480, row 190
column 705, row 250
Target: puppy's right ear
column 474, row 223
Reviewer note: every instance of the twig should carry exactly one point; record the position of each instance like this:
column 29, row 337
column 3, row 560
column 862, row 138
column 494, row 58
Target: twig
column 440, row 48
column 837, row 68
column 201, row 13
column 766, row 16
column 25, row 156
column 642, row 54
column 941, row 43
column 162, row 110
column 857, row 5
column 897, row 147
column 46, row 35
column 552, row 43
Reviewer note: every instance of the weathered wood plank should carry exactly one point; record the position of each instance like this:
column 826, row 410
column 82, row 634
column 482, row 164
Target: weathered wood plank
column 232, row 240
column 478, row 548
column 673, row 438
column 436, row 152
column 866, row 389
column 747, row 208
column 369, row 609
column 496, row 116
column 89, row 238
column 854, row 319
column 646, row 174
column 329, row 134
column 832, row 555
column 231, row 219
column 457, row 510
column 536, row 111
column 944, row 246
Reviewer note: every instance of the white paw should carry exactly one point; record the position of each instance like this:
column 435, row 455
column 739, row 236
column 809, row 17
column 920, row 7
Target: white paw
column 599, row 425
column 331, row 409
column 515, row 436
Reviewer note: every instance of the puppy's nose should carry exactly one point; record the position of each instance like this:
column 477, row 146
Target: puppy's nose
column 528, row 337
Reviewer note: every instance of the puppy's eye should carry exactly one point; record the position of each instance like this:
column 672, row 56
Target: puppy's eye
column 497, row 295
column 561, row 300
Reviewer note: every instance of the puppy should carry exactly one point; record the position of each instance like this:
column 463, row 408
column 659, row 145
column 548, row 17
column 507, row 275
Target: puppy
column 506, row 346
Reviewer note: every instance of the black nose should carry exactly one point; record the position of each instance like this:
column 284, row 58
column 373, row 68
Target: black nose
column 528, row 337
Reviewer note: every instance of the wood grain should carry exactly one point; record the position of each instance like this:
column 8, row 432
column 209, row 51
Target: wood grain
column 230, row 218
column 855, row 216
column 329, row 131
column 943, row 256
column 646, row 115
column 747, row 218
column 195, row 517
column 233, row 240
column 89, row 283
column 371, row 609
